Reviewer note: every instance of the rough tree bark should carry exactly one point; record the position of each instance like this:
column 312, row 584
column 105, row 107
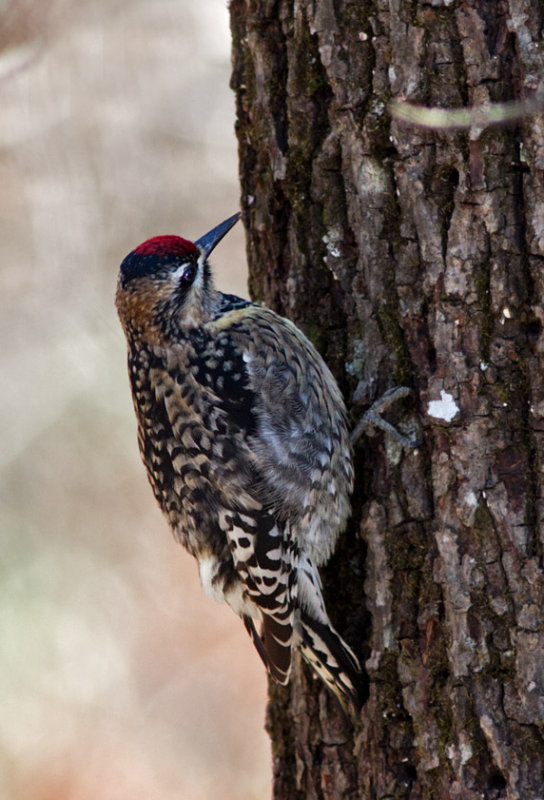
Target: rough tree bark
column 412, row 257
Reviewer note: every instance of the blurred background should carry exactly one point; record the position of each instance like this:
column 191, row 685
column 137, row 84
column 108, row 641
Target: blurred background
column 118, row 679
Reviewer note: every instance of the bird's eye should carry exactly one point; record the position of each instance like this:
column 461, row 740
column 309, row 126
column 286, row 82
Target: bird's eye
column 188, row 274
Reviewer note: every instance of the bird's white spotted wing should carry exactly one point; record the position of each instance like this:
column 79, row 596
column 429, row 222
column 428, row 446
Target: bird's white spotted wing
column 299, row 442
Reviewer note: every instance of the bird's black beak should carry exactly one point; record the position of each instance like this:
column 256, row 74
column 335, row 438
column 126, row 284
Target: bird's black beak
column 207, row 242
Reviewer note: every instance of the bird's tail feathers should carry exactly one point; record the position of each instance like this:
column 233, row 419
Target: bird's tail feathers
column 334, row 661
column 274, row 645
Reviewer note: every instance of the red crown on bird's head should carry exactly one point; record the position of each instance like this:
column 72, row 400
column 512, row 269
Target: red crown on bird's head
column 166, row 246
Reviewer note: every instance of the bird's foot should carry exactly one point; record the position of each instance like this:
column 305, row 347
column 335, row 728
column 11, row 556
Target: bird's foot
column 372, row 418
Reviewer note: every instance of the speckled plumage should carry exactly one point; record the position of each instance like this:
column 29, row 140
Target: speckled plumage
column 242, row 429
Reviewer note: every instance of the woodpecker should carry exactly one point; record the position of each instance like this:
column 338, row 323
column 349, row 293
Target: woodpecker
column 242, row 429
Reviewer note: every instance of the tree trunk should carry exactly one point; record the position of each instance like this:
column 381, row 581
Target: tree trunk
column 412, row 257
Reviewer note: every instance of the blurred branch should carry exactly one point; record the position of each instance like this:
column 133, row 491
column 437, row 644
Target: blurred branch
column 16, row 59
column 477, row 117
column 24, row 25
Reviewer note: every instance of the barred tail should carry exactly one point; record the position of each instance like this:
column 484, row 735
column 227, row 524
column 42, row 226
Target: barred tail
column 334, row 662
column 274, row 646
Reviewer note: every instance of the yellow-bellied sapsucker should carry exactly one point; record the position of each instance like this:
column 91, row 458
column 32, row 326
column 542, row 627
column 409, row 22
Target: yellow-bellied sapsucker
column 242, row 429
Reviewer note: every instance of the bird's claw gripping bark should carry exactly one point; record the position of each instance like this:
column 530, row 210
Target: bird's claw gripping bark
column 372, row 418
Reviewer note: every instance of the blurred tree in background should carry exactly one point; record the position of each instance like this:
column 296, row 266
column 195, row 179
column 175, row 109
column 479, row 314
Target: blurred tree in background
column 118, row 679
column 412, row 257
